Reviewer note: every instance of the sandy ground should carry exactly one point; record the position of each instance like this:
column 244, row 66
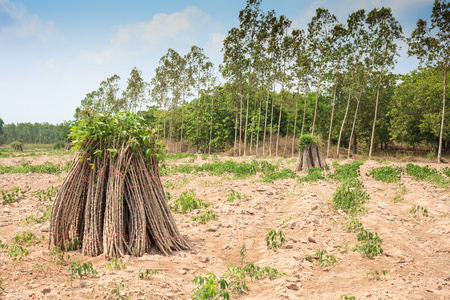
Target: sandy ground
column 416, row 253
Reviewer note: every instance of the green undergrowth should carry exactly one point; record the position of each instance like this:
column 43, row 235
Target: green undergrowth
column 12, row 195
column 370, row 244
column 283, row 174
column 346, row 171
column 179, row 156
column 188, row 202
column 45, row 216
column 428, row 174
column 47, row 194
column 26, row 167
column 350, row 198
column 238, row 169
column 314, row 174
column 234, row 280
column 386, row 174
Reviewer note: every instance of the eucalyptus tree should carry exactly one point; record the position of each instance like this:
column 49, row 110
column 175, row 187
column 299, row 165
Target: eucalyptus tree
column 358, row 48
column 285, row 65
column 249, row 19
column 158, row 94
column 319, row 36
column 434, row 48
column 338, row 51
column 233, row 69
column 136, row 91
column 384, row 33
column 105, row 99
column 268, row 35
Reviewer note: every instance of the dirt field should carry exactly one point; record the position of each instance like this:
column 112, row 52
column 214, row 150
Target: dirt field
column 416, row 252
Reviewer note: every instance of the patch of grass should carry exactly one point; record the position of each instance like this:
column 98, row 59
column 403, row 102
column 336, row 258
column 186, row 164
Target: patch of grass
column 386, row 174
column 179, row 156
column 12, row 196
column 428, row 174
column 314, row 174
column 283, row 174
column 26, row 167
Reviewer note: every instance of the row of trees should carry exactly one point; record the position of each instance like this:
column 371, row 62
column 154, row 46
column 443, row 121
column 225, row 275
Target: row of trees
column 37, row 133
column 333, row 79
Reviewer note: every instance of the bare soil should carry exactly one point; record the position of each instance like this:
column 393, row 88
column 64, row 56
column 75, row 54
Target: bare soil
column 416, row 252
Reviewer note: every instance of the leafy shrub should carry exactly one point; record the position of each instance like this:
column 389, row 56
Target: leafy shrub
column 370, row 244
column 350, row 199
column 352, row 224
column 275, row 239
column 210, row 287
column 386, row 174
column 59, row 145
column 81, row 269
column 188, row 202
column 306, row 140
column 346, row 171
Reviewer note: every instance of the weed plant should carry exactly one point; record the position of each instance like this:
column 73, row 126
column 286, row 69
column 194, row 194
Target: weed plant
column 275, row 239
column 46, row 195
column 233, row 195
column 376, row 274
column 353, row 225
column 188, row 202
column 78, row 268
column 398, row 199
column 386, row 174
column 370, row 244
column 12, row 196
column 27, row 239
column 17, row 251
column 416, row 211
column 115, row 264
column 283, row 174
column 205, row 216
column 323, row 258
column 147, row 273
column 210, row 287
column 30, row 220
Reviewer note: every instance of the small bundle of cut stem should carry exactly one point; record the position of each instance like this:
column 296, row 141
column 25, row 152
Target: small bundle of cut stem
column 112, row 200
column 309, row 154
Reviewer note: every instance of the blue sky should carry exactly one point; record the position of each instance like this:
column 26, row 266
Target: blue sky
column 54, row 52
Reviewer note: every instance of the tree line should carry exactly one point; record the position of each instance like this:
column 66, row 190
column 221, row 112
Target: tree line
column 331, row 79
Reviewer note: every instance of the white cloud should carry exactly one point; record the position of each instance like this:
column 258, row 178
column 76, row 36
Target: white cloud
column 162, row 32
column 25, row 25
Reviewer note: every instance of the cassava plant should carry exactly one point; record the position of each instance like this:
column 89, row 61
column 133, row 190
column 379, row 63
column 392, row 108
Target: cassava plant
column 112, row 199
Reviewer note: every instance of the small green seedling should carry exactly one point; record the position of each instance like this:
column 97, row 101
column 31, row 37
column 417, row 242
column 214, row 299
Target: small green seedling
column 275, row 239
column 147, row 274
column 116, row 264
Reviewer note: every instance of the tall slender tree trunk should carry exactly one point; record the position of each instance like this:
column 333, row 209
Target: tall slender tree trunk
column 295, row 120
column 165, row 107
column 235, row 130
column 332, row 115
column 441, row 134
column 265, row 123
column 271, row 126
column 210, row 128
column 287, row 135
column 317, row 101
column 253, row 125
column 246, row 125
column 182, row 124
column 279, row 127
column 159, row 119
column 240, row 126
column 259, row 123
column 354, row 121
column 304, row 112
column 376, row 111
